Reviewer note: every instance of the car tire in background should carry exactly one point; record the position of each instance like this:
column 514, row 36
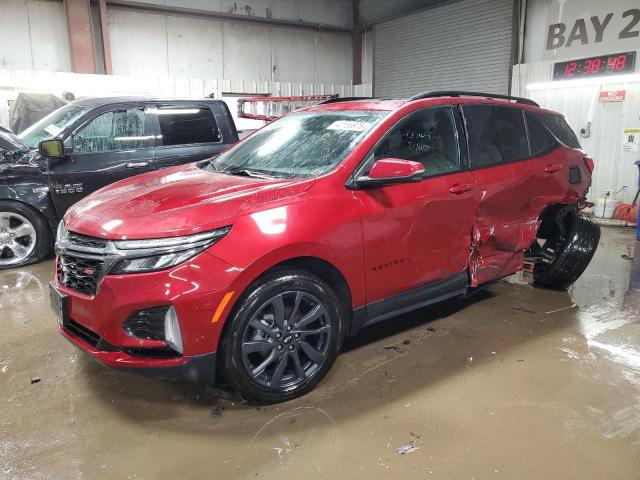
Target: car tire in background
column 25, row 237
column 282, row 337
column 572, row 256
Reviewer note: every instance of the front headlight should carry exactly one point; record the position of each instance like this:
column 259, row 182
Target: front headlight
column 162, row 253
column 62, row 234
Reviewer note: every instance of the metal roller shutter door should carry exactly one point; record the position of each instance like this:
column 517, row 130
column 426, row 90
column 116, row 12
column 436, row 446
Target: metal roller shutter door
column 463, row 45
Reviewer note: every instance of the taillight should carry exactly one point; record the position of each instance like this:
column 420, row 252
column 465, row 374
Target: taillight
column 588, row 161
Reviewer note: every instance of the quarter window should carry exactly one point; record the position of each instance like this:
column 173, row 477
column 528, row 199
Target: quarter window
column 560, row 128
column 540, row 140
column 427, row 136
column 117, row 130
column 496, row 134
column 183, row 126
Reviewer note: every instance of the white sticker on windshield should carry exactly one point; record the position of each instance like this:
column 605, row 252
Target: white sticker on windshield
column 349, row 125
column 53, row 130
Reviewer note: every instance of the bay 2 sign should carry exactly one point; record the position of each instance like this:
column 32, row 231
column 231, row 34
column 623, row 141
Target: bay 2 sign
column 590, row 30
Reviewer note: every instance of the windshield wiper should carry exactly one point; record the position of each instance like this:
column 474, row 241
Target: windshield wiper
column 245, row 172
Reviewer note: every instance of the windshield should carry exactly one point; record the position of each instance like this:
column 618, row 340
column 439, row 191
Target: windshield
column 51, row 125
column 302, row 144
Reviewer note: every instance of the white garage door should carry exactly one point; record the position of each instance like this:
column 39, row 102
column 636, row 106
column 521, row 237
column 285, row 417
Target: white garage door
column 462, row 45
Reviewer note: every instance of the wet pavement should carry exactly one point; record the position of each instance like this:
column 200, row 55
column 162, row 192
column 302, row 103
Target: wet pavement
column 515, row 382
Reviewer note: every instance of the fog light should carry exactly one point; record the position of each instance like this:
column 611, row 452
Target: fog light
column 172, row 334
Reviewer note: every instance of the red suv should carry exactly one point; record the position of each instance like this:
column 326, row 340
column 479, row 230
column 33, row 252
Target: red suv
column 251, row 268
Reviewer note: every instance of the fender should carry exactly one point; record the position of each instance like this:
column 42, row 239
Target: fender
column 354, row 282
column 24, row 179
column 34, row 194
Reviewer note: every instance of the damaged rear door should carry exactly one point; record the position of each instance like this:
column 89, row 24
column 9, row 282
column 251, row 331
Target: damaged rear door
column 514, row 184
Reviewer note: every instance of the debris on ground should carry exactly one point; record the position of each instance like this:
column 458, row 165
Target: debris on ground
column 406, row 448
column 35, row 380
column 626, row 257
column 395, row 348
column 520, row 309
column 217, row 411
column 432, row 330
column 398, row 348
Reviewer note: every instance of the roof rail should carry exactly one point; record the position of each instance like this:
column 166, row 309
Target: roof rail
column 343, row 99
column 459, row 93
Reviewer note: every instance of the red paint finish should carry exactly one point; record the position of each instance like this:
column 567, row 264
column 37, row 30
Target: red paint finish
column 395, row 168
column 384, row 240
column 409, row 238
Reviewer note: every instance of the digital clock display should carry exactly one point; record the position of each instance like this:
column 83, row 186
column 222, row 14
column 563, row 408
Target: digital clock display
column 613, row 64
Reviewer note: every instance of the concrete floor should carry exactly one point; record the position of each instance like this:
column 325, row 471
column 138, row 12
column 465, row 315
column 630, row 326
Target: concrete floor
column 518, row 382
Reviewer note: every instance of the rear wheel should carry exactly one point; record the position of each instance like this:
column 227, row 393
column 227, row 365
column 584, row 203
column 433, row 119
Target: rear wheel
column 284, row 336
column 573, row 253
column 24, row 235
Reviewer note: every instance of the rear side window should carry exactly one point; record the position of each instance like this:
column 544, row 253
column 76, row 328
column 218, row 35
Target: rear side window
column 496, row 134
column 560, row 128
column 540, row 140
column 183, row 126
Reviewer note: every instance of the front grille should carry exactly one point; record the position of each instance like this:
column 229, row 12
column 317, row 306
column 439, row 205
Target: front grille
column 83, row 333
column 78, row 240
column 79, row 273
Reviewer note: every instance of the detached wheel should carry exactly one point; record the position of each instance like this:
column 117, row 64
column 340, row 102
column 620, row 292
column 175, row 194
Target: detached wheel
column 284, row 336
column 573, row 255
column 24, row 235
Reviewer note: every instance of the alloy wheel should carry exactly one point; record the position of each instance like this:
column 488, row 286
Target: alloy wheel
column 286, row 342
column 17, row 238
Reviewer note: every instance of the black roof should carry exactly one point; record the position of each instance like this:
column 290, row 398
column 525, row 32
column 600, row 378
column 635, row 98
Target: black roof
column 92, row 102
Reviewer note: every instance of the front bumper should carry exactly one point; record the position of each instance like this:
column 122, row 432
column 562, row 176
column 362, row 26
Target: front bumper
column 196, row 370
column 195, row 289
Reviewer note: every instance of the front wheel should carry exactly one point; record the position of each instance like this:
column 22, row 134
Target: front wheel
column 572, row 254
column 284, row 336
column 24, row 235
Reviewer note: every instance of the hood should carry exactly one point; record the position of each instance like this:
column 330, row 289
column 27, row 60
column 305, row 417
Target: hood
column 172, row 202
column 9, row 141
column 16, row 163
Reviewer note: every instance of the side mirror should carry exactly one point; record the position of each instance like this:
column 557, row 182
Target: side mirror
column 52, row 148
column 388, row 171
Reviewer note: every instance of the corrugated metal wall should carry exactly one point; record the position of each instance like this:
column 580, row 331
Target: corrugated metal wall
column 144, row 43
column 463, row 45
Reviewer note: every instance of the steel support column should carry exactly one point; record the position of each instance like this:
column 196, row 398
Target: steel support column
column 357, row 44
column 83, row 59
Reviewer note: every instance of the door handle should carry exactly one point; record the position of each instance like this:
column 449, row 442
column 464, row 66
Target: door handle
column 552, row 168
column 459, row 188
column 137, row 164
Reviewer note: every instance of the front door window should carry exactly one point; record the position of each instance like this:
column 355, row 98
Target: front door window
column 112, row 131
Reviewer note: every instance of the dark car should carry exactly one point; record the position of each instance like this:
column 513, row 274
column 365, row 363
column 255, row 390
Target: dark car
column 91, row 143
column 9, row 142
column 250, row 269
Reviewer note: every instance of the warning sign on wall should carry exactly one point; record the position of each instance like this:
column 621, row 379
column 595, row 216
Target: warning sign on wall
column 613, row 95
column 631, row 140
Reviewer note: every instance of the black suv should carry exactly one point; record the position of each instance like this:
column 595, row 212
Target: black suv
column 91, row 143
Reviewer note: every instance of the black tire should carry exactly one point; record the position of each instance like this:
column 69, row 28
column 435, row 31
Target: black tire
column 40, row 247
column 573, row 256
column 261, row 297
